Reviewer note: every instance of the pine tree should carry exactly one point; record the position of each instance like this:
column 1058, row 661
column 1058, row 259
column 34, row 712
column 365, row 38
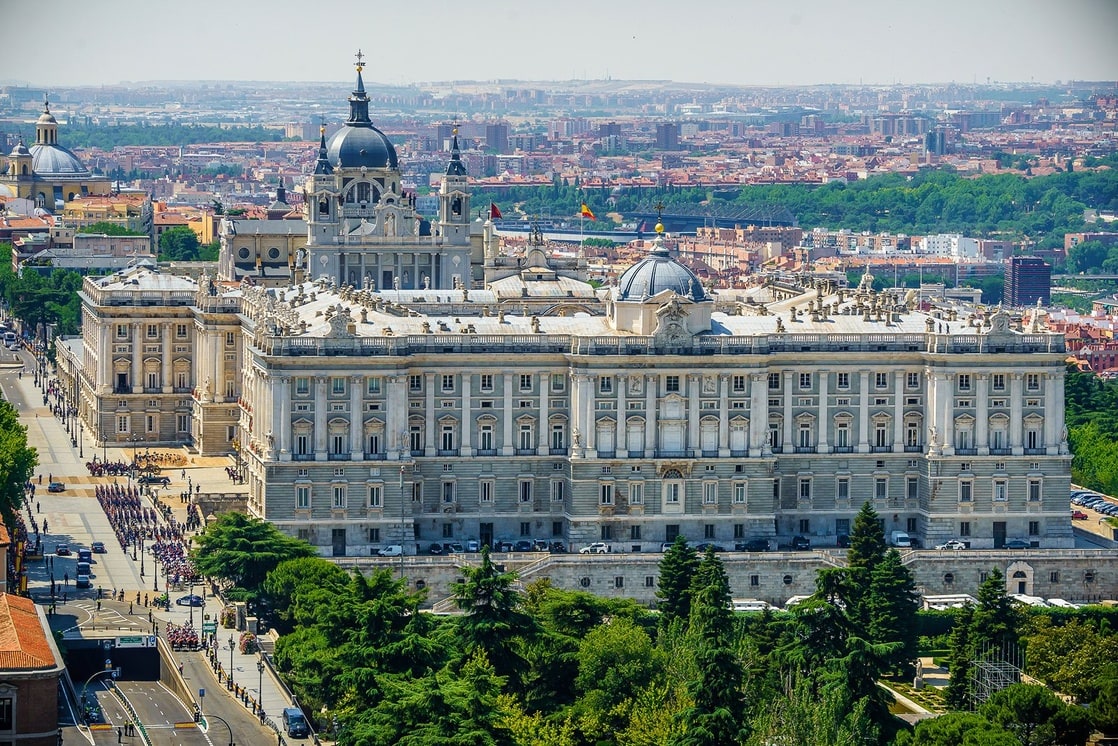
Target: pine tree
column 891, row 604
column 996, row 618
column 715, row 718
column 867, row 549
column 958, row 692
column 677, row 570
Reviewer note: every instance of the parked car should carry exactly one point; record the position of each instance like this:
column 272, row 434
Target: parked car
column 472, row 545
column 503, row 546
column 56, row 487
column 598, row 547
column 707, row 545
column 452, row 547
column 801, row 543
column 524, row 545
column 154, row 479
column 753, row 545
column 436, row 548
column 1017, row 544
column 1078, row 515
column 557, row 547
column 844, row 541
column 951, row 544
column 62, row 550
column 98, row 547
column 192, row 600
column 392, row 550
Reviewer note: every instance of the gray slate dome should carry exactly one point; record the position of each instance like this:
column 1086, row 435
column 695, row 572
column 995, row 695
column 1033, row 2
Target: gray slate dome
column 55, row 160
column 659, row 272
column 357, row 145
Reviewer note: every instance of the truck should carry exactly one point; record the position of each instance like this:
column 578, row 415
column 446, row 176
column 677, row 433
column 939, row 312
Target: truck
column 900, row 539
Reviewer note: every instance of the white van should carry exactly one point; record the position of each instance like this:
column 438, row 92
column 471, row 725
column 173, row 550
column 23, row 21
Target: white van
column 392, row 550
column 900, row 539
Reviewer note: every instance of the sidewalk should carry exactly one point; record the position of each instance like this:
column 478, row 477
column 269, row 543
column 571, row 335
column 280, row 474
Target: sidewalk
column 76, row 512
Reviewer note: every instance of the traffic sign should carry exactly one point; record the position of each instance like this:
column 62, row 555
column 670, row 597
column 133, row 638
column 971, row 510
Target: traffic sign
column 209, row 628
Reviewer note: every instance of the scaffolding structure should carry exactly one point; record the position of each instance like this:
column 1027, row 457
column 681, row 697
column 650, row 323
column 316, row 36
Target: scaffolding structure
column 995, row 667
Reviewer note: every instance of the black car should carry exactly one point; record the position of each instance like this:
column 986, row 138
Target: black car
column 844, row 541
column 701, row 548
column 1017, row 544
column 436, row 548
column 97, row 547
column 753, row 545
column 154, row 479
column 524, row 545
column 801, row 543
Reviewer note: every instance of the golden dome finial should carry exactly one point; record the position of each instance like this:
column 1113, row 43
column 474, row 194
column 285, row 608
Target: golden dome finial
column 360, row 61
column 454, row 130
column 659, row 228
column 322, row 129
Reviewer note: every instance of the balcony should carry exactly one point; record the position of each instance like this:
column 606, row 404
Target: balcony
column 844, row 449
column 881, row 449
column 557, row 451
column 447, row 452
column 1035, row 451
column 302, row 457
column 525, row 451
column 913, row 449
column 1001, row 451
column 966, row 451
column 804, row 449
column 375, row 456
column 485, row 452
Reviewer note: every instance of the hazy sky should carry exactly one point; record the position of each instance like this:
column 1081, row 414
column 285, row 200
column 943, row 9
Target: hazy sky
column 717, row 41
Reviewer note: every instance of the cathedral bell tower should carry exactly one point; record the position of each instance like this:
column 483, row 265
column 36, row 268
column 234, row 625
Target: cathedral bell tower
column 322, row 208
column 454, row 198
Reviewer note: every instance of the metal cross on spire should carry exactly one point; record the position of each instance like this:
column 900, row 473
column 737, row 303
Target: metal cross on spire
column 659, row 210
column 360, row 59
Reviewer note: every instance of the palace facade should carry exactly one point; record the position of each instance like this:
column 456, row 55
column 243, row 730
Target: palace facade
column 402, row 384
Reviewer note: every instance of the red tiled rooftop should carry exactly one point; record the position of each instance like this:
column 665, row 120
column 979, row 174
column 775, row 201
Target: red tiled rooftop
column 23, row 642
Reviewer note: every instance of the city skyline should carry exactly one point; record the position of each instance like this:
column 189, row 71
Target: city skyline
column 810, row 43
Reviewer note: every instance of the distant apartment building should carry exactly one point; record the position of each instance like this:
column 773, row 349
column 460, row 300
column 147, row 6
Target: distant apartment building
column 497, row 137
column 1027, row 279
column 667, row 136
column 949, row 244
column 1071, row 240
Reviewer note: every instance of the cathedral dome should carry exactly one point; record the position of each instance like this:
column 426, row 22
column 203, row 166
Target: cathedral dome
column 656, row 273
column 360, row 144
column 55, row 160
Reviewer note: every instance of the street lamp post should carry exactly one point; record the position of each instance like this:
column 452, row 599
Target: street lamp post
column 191, row 604
column 107, row 670
column 232, row 647
column 155, row 579
column 260, row 681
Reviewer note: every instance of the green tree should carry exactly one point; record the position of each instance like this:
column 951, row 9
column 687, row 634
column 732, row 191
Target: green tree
column 867, row 549
column 492, row 614
column 178, row 244
column 892, row 604
column 717, row 713
column 109, row 229
column 615, row 661
column 1037, row 716
column 17, row 462
column 959, row 729
column 241, row 550
column 292, row 589
column 1072, row 658
column 997, row 621
column 958, row 691
column 677, row 569
column 1104, row 710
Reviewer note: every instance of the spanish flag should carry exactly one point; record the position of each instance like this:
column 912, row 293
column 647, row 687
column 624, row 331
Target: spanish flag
column 586, row 212
column 493, row 211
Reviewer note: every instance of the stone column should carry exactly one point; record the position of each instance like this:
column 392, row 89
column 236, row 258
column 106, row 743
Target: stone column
column 1016, row 401
column 1052, row 382
column 283, row 432
column 898, row 411
column 724, row 415
column 591, row 420
column 396, row 418
column 787, row 445
column 651, row 442
column 543, row 443
column 863, row 411
column 508, row 447
column 982, row 414
column 168, row 357
column 356, row 419
column 824, row 426
column 758, row 415
column 467, row 418
column 137, row 358
column 429, row 447
column 620, row 438
column 319, row 418
column 945, row 406
column 694, row 385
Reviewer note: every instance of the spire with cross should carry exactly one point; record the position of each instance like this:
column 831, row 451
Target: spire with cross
column 360, row 60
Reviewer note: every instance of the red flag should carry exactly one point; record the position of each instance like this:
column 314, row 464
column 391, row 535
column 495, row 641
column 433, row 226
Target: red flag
column 493, row 211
